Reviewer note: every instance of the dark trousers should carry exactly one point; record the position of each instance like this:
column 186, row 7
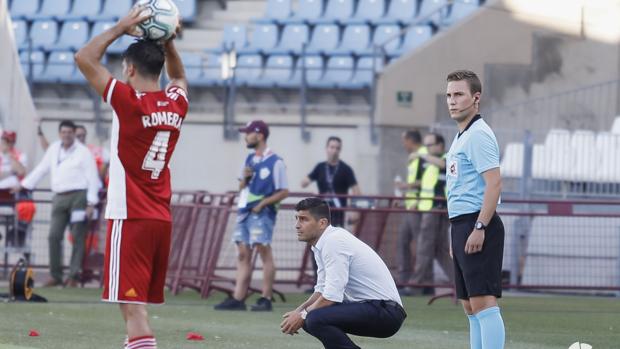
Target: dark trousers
column 330, row 325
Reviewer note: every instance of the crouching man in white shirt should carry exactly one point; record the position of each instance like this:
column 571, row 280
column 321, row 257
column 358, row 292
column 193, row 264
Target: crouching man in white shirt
column 355, row 292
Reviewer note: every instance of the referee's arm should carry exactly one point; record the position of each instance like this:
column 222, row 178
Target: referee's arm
column 492, row 190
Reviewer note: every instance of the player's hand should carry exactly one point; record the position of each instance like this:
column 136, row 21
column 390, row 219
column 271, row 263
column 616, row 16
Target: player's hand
column 474, row 242
column 413, row 156
column 292, row 323
column 129, row 23
column 258, row 208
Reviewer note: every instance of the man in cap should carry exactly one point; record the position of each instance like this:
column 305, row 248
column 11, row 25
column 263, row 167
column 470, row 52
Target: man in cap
column 262, row 185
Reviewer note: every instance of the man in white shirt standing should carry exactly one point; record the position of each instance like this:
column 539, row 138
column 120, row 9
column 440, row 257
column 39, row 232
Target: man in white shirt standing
column 352, row 283
column 75, row 183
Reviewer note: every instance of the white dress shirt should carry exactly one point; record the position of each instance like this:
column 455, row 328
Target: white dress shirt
column 71, row 169
column 351, row 271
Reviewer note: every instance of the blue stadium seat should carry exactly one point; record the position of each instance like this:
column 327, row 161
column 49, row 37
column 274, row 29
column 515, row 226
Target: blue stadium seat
column 355, row 40
column 234, row 36
column 248, row 70
column 363, row 73
column 386, row 32
column 187, row 10
column 294, row 36
column 459, row 10
column 400, row 11
column 120, row 45
column 279, row 68
column 367, row 11
column 73, row 35
column 212, row 70
column 113, row 9
column 61, row 68
column 336, row 12
column 314, row 72
column 20, row 29
column 276, row 11
column 43, row 33
column 433, row 10
column 192, row 62
column 24, row 9
column 264, row 38
column 36, row 59
column 325, row 38
column 307, row 11
column 416, row 36
column 53, row 9
column 339, row 70
column 83, row 10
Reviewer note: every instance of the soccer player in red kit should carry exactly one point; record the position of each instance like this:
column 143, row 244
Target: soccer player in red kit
column 145, row 129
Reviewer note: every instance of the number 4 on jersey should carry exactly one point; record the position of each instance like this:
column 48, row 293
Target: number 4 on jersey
column 155, row 158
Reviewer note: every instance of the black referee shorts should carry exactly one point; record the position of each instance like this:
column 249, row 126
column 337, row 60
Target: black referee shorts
column 478, row 274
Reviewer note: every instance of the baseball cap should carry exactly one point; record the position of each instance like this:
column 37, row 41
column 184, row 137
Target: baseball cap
column 256, row 126
column 10, row 136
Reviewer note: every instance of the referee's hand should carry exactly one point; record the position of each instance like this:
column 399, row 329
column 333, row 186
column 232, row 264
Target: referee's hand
column 474, row 242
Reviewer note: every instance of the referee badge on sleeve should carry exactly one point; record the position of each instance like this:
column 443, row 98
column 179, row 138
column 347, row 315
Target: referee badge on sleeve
column 453, row 168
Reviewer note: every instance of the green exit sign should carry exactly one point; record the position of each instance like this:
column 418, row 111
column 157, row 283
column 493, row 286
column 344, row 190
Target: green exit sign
column 404, row 98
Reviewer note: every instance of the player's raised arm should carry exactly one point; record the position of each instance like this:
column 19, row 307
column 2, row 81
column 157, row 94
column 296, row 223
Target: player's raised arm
column 88, row 58
column 174, row 66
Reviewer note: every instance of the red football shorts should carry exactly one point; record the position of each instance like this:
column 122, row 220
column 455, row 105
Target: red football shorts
column 136, row 261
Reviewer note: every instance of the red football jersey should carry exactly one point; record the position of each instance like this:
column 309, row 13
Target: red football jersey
column 145, row 130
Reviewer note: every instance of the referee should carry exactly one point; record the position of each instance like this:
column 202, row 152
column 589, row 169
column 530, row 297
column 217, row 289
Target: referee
column 474, row 185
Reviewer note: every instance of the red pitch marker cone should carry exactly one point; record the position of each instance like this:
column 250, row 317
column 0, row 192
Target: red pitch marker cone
column 194, row 336
column 34, row 333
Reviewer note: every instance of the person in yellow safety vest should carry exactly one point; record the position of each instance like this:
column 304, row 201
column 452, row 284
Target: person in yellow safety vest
column 433, row 239
column 410, row 222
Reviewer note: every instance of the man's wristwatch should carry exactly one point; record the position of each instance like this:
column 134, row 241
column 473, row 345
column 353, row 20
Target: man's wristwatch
column 303, row 314
column 480, row 226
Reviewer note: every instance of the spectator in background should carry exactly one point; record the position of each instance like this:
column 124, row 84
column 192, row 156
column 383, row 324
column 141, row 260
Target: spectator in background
column 334, row 176
column 101, row 155
column 262, row 186
column 432, row 240
column 75, row 183
column 410, row 223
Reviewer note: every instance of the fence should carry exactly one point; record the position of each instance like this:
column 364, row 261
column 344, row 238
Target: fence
column 549, row 244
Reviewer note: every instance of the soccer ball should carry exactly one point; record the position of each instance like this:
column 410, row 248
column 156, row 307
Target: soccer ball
column 164, row 21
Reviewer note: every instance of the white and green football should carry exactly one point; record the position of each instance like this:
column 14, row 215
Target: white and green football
column 164, row 20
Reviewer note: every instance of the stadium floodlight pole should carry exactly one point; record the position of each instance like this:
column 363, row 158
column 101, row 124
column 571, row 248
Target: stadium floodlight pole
column 377, row 52
column 305, row 135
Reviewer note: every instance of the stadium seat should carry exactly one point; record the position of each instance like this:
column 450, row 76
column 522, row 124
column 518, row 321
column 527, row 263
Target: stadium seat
column 433, row 11
column 275, row 11
column 512, row 162
column 608, row 147
column 294, row 36
column 36, row 59
column 583, row 156
column 83, row 10
column 24, row 9
column 234, row 36
column 382, row 34
column 540, row 162
column 279, row 68
column 325, row 38
column 314, row 72
column 615, row 128
column 355, row 40
column 120, row 45
column 264, row 39
column 20, row 30
column 61, row 68
column 249, row 69
column 113, row 9
column 416, row 36
column 212, row 70
column 459, row 10
column 43, row 33
column 307, row 11
column 73, row 35
column 192, row 62
column 364, row 74
column 339, row 70
column 367, row 11
column 400, row 11
column 336, row 12
column 557, row 157
column 187, row 10
column 53, row 9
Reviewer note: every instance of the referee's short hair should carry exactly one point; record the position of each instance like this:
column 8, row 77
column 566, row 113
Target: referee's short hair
column 317, row 208
column 472, row 79
column 414, row 136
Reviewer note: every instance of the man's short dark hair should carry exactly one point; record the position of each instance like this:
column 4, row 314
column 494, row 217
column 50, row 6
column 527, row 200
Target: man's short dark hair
column 333, row 138
column 148, row 57
column 414, row 136
column 317, row 208
column 438, row 138
column 67, row 123
column 80, row 126
column 472, row 79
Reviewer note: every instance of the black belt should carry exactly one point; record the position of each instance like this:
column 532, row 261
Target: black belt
column 387, row 303
column 71, row 192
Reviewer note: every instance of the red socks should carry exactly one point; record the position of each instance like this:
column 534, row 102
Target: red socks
column 144, row 342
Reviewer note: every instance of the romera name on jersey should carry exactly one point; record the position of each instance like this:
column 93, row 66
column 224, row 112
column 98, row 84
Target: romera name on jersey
column 162, row 118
